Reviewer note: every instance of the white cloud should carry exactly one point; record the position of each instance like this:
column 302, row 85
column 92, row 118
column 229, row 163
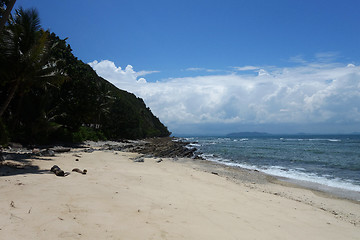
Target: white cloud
column 326, row 56
column 262, row 72
column 141, row 80
column 121, row 78
column 143, row 73
column 195, row 69
column 246, row 68
column 310, row 93
column 298, row 59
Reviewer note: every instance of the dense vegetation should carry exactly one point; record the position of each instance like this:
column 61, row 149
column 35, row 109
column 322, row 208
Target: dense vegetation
column 48, row 95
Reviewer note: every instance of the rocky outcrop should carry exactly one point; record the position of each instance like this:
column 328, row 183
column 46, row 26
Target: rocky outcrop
column 164, row 147
column 155, row 147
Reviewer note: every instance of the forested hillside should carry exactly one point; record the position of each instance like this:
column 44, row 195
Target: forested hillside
column 48, row 95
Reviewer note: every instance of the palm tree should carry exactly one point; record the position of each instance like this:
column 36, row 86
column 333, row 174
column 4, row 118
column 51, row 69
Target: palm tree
column 6, row 13
column 25, row 58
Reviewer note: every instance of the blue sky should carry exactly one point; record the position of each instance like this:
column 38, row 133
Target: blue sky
column 213, row 67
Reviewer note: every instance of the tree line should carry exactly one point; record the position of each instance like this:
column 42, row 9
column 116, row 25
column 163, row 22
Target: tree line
column 48, row 95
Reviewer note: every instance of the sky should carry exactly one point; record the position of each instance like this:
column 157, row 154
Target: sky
column 208, row 67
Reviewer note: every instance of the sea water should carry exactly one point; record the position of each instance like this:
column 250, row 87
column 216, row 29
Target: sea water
column 329, row 162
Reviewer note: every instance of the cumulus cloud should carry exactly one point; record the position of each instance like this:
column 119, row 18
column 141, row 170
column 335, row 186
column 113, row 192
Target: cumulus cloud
column 263, row 72
column 260, row 71
column 119, row 77
column 310, row 93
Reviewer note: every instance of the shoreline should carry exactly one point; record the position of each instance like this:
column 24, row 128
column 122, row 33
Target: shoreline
column 137, row 196
column 325, row 189
column 172, row 147
column 275, row 185
column 336, row 192
column 342, row 189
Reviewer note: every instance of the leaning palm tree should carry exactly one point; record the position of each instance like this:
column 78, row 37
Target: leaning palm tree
column 25, row 58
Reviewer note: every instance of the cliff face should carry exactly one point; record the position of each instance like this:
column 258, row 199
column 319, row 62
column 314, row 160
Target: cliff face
column 82, row 106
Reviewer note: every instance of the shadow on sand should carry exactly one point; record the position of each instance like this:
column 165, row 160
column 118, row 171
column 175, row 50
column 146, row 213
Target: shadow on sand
column 20, row 163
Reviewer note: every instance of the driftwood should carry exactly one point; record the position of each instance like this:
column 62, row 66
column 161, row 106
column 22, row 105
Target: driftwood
column 79, row 171
column 58, row 172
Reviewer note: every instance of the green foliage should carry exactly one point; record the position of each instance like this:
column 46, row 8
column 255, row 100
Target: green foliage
column 87, row 133
column 3, row 133
column 3, row 5
column 60, row 98
column 26, row 59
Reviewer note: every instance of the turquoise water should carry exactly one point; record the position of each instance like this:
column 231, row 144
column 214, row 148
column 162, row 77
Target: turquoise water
column 329, row 160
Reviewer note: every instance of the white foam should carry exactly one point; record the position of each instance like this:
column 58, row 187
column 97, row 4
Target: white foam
column 325, row 139
column 295, row 174
column 310, row 139
column 312, row 177
column 194, row 145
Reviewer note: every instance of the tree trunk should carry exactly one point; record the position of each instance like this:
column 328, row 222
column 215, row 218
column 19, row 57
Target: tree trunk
column 9, row 98
column 6, row 15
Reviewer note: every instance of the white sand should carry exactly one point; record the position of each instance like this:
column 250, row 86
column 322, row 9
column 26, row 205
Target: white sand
column 121, row 199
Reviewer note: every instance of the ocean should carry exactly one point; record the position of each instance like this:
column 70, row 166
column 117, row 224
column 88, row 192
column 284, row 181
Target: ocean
column 323, row 162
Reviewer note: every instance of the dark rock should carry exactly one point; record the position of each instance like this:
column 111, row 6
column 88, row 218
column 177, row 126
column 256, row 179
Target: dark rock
column 47, row 153
column 139, row 160
column 36, row 151
column 89, row 150
column 165, row 147
column 15, row 145
column 198, row 156
column 60, row 149
column 58, row 172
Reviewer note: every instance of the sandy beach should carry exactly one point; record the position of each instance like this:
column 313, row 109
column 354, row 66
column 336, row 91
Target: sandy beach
column 119, row 198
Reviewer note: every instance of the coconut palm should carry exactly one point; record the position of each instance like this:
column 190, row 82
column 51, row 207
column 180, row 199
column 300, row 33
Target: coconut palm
column 5, row 13
column 25, row 58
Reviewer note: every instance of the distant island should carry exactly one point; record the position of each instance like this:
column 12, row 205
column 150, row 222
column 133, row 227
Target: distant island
column 247, row 134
